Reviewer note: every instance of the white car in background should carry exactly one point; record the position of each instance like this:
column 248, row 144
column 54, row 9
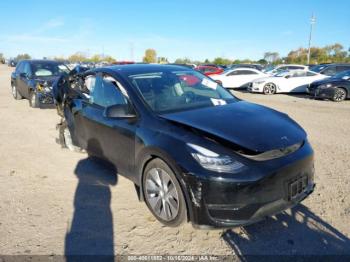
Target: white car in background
column 285, row 82
column 282, row 68
column 238, row 77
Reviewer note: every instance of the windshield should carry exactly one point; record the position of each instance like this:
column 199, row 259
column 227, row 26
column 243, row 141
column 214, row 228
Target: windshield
column 49, row 69
column 269, row 68
column 281, row 73
column 317, row 68
column 345, row 74
column 174, row 91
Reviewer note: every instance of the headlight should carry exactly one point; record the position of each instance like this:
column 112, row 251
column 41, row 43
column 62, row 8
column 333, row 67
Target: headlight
column 325, row 86
column 212, row 161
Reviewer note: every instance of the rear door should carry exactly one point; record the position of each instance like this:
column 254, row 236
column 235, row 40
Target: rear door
column 25, row 79
column 111, row 139
column 20, row 84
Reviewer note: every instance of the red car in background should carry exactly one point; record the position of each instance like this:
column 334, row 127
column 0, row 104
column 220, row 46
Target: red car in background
column 209, row 70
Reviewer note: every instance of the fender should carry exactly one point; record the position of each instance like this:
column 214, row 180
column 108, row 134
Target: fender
column 144, row 157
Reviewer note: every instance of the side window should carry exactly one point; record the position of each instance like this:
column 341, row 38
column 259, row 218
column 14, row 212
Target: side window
column 105, row 92
column 308, row 73
column 299, row 74
column 342, row 68
column 330, row 71
column 19, row 68
column 295, row 67
column 26, row 69
column 248, row 72
column 234, row 73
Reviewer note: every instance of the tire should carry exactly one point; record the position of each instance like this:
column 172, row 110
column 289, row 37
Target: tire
column 269, row 89
column 163, row 194
column 339, row 94
column 34, row 100
column 16, row 95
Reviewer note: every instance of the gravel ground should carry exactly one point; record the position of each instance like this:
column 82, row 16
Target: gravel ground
column 54, row 201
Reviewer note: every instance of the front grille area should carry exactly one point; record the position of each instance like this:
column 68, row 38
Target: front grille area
column 297, row 187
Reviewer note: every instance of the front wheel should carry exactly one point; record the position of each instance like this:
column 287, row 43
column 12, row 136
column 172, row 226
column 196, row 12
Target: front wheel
column 269, row 89
column 163, row 194
column 34, row 100
column 339, row 95
column 16, row 95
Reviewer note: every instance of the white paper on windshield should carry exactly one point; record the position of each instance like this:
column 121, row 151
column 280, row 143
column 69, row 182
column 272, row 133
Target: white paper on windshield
column 210, row 84
column 218, row 102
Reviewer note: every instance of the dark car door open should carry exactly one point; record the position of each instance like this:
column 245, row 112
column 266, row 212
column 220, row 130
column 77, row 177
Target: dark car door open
column 23, row 79
column 110, row 138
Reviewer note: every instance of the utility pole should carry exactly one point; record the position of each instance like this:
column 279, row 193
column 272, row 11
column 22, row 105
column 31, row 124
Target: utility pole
column 312, row 22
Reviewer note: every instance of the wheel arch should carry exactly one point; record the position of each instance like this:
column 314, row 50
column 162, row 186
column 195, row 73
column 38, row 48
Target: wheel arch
column 151, row 153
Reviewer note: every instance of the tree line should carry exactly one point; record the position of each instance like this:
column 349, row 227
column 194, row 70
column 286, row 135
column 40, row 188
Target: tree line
column 328, row 54
column 334, row 53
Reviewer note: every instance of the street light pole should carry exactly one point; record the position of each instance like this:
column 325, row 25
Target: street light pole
column 312, row 22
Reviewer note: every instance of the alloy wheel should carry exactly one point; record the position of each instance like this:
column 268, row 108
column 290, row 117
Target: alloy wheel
column 339, row 95
column 269, row 89
column 161, row 194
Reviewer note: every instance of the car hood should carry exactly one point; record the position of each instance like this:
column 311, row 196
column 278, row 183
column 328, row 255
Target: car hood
column 266, row 79
column 256, row 128
column 328, row 80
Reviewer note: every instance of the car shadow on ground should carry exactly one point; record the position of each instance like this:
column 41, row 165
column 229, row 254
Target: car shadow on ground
column 90, row 237
column 295, row 232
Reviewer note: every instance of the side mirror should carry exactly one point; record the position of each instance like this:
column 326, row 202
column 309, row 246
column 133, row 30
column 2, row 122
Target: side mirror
column 287, row 76
column 23, row 75
column 119, row 111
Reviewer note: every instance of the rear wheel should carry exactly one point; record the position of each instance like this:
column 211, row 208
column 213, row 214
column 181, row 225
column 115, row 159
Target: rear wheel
column 163, row 194
column 269, row 89
column 16, row 95
column 34, row 100
column 339, row 94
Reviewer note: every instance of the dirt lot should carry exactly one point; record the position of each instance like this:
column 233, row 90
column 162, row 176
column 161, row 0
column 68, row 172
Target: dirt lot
column 54, row 201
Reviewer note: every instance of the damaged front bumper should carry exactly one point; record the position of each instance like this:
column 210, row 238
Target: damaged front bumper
column 45, row 97
column 229, row 202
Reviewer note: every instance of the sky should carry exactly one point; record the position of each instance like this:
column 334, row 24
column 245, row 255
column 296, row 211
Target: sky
column 197, row 29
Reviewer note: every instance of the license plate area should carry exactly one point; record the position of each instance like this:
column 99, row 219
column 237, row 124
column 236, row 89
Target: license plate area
column 296, row 187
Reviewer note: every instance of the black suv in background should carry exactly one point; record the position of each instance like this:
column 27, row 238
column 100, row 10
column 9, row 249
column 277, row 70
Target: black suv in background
column 330, row 69
column 33, row 80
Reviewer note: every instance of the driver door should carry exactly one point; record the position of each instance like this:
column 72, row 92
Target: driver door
column 110, row 138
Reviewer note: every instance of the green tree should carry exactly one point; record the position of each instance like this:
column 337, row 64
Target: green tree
column 110, row 59
column 78, row 57
column 150, row 56
column 222, row 61
column 271, row 57
column 22, row 57
column 162, row 60
column 183, row 61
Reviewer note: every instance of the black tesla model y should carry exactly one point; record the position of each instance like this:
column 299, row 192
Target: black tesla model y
column 193, row 150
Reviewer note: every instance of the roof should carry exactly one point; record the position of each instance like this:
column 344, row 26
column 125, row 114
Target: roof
column 34, row 61
column 142, row 68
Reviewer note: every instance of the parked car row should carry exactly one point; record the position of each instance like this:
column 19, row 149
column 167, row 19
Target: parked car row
column 173, row 132
column 287, row 79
